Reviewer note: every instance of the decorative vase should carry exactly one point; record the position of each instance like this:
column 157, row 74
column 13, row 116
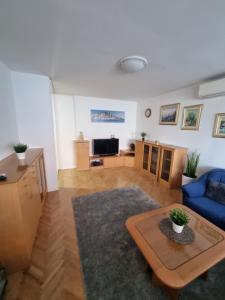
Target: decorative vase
column 81, row 136
column 177, row 228
column 186, row 179
column 21, row 155
column 143, row 139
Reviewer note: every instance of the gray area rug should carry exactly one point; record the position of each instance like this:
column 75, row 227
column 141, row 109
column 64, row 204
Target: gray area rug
column 113, row 266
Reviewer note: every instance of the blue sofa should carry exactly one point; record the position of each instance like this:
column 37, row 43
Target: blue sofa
column 195, row 198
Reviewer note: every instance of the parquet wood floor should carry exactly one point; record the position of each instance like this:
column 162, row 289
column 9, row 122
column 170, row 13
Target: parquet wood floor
column 55, row 270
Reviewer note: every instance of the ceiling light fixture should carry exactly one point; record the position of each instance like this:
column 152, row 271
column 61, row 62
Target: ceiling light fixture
column 132, row 64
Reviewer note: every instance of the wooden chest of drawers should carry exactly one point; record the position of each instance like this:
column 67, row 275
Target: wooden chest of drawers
column 21, row 200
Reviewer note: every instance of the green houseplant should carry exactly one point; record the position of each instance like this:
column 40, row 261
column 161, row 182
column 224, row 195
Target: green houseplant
column 20, row 150
column 143, row 135
column 191, row 167
column 179, row 218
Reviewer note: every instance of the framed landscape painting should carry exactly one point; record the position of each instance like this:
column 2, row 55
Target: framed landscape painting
column 219, row 126
column 169, row 114
column 191, row 117
column 107, row 116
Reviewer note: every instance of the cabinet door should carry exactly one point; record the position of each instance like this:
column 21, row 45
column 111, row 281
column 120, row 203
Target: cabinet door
column 82, row 155
column 154, row 162
column 138, row 154
column 146, row 157
column 166, row 164
column 41, row 177
column 30, row 206
column 129, row 161
column 110, row 162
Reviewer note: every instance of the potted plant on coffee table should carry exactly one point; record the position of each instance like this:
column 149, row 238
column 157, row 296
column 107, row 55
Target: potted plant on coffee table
column 20, row 150
column 143, row 135
column 192, row 164
column 179, row 218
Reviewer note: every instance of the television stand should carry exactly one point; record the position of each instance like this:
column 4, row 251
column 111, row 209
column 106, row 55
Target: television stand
column 107, row 161
column 85, row 161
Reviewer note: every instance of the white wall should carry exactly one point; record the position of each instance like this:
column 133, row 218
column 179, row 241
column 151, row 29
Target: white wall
column 65, row 130
column 73, row 116
column 123, row 131
column 212, row 149
column 8, row 130
column 35, row 119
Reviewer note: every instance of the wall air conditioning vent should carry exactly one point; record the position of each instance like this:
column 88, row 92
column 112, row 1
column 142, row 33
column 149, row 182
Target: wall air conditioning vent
column 212, row 89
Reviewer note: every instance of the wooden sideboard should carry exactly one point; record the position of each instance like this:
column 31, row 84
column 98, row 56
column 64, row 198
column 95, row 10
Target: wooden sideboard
column 21, row 199
column 163, row 163
column 84, row 160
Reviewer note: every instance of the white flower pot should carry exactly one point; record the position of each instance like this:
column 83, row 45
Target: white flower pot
column 186, row 179
column 21, row 155
column 177, row 228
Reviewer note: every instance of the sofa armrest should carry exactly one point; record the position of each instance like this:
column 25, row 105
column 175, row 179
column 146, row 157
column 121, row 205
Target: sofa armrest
column 194, row 189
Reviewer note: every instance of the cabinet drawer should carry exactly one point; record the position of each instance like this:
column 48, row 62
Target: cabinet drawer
column 129, row 161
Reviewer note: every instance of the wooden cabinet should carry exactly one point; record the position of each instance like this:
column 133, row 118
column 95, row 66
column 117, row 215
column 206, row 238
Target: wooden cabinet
column 82, row 154
column 21, row 199
column 172, row 166
column 163, row 163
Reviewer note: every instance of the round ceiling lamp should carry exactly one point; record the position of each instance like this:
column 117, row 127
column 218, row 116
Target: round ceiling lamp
column 132, row 64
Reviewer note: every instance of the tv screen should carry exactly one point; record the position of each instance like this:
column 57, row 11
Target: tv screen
column 105, row 146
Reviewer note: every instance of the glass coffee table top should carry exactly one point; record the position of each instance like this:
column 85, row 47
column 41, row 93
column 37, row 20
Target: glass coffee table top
column 171, row 254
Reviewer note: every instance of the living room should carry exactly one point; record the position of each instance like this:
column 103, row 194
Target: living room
column 112, row 145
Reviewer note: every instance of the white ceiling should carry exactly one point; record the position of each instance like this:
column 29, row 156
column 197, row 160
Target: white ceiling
column 78, row 43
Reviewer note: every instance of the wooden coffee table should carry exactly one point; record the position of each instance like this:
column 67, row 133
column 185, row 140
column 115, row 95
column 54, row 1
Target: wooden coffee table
column 175, row 265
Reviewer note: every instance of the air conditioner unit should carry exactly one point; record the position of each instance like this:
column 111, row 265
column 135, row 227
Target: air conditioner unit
column 211, row 89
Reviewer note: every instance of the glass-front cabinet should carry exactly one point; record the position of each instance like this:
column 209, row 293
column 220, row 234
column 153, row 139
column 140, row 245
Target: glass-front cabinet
column 163, row 163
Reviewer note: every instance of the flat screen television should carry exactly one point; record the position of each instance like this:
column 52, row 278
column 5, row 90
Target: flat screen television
column 105, row 147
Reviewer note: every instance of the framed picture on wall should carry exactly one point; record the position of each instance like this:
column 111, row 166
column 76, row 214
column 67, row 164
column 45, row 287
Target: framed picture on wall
column 169, row 114
column 219, row 126
column 191, row 117
column 107, row 116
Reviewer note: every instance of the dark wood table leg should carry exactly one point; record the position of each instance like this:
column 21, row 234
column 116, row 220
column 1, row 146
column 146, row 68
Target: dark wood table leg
column 156, row 281
column 146, row 267
column 205, row 275
column 173, row 293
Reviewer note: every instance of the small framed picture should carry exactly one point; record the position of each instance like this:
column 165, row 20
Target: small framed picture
column 169, row 114
column 191, row 117
column 219, row 126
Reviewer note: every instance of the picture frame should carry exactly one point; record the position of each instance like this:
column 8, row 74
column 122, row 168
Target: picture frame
column 219, row 126
column 169, row 114
column 192, row 117
column 107, row 116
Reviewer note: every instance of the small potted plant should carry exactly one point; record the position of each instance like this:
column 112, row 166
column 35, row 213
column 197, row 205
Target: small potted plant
column 192, row 164
column 179, row 218
column 143, row 135
column 20, row 150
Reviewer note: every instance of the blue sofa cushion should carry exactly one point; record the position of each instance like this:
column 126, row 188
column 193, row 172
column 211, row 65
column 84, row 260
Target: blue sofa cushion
column 209, row 209
column 216, row 191
column 194, row 189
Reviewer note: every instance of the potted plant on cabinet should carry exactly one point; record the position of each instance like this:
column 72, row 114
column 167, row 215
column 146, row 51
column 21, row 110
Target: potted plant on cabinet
column 179, row 218
column 143, row 135
column 192, row 164
column 20, row 150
